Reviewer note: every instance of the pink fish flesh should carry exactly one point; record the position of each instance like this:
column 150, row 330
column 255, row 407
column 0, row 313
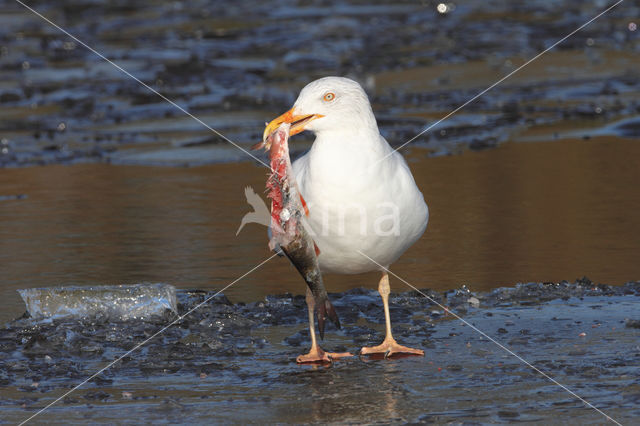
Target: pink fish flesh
column 287, row 230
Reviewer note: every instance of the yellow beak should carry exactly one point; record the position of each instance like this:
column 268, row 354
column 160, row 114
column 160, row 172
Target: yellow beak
column 298, row 123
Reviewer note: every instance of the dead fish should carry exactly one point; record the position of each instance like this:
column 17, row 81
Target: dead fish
column 287, row 230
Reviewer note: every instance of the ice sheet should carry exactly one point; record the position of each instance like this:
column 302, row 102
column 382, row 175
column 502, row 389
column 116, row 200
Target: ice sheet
column 117, row 302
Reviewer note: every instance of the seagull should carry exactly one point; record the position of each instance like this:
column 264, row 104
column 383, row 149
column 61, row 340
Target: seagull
column 361, row 196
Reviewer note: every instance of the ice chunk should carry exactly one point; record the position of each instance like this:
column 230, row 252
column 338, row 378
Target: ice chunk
column 117, row 302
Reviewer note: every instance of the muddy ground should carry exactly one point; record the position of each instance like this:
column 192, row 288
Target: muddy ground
column 229, row 362
column 237, row 66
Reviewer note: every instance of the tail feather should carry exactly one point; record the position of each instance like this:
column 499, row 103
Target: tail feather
column 325, row 309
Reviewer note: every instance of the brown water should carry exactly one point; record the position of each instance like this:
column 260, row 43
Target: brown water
column 522, row 212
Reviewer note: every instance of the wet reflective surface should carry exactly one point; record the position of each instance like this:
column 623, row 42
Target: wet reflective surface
column 237, row 67
column 522, row 212
column 235, row 363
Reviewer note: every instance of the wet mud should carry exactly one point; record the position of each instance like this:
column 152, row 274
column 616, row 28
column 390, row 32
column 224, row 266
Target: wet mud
column 235, row 67
column 235, row 362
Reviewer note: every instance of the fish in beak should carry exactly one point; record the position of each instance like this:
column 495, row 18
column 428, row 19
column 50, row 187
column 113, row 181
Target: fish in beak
column 287, row 229
column 297, row 122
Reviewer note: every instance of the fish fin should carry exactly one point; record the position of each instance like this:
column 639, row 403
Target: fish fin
column 258, row 145
column 304, row 206
column 333, row 316
column 325, row 309
column 315, row 247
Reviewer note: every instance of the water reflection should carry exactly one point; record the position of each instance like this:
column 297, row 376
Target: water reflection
column 522, row 212
column 361, row 390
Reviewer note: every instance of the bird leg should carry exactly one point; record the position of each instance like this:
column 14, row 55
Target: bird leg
column 389, row 346
column 316, row 354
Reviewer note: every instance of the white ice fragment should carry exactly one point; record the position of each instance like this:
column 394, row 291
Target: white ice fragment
column 116, row 302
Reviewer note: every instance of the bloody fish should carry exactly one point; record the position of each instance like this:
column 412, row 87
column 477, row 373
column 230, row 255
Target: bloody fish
column 287, row 230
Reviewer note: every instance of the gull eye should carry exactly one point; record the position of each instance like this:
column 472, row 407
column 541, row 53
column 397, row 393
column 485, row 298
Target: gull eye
column 329, row 97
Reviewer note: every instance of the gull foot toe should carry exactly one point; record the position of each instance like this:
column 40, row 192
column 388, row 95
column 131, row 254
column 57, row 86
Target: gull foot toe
column 318, row 356
column 389, row 348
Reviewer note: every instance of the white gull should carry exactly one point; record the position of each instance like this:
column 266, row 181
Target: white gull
column 361, row 194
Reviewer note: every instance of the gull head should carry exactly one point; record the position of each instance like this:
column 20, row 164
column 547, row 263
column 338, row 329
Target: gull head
column 327, row 104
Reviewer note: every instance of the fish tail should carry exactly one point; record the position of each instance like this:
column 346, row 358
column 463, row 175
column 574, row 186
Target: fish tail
column 325, row 309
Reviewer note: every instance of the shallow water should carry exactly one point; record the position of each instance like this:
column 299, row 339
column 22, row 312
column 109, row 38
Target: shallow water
column 229, row 363
column 522, row 212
